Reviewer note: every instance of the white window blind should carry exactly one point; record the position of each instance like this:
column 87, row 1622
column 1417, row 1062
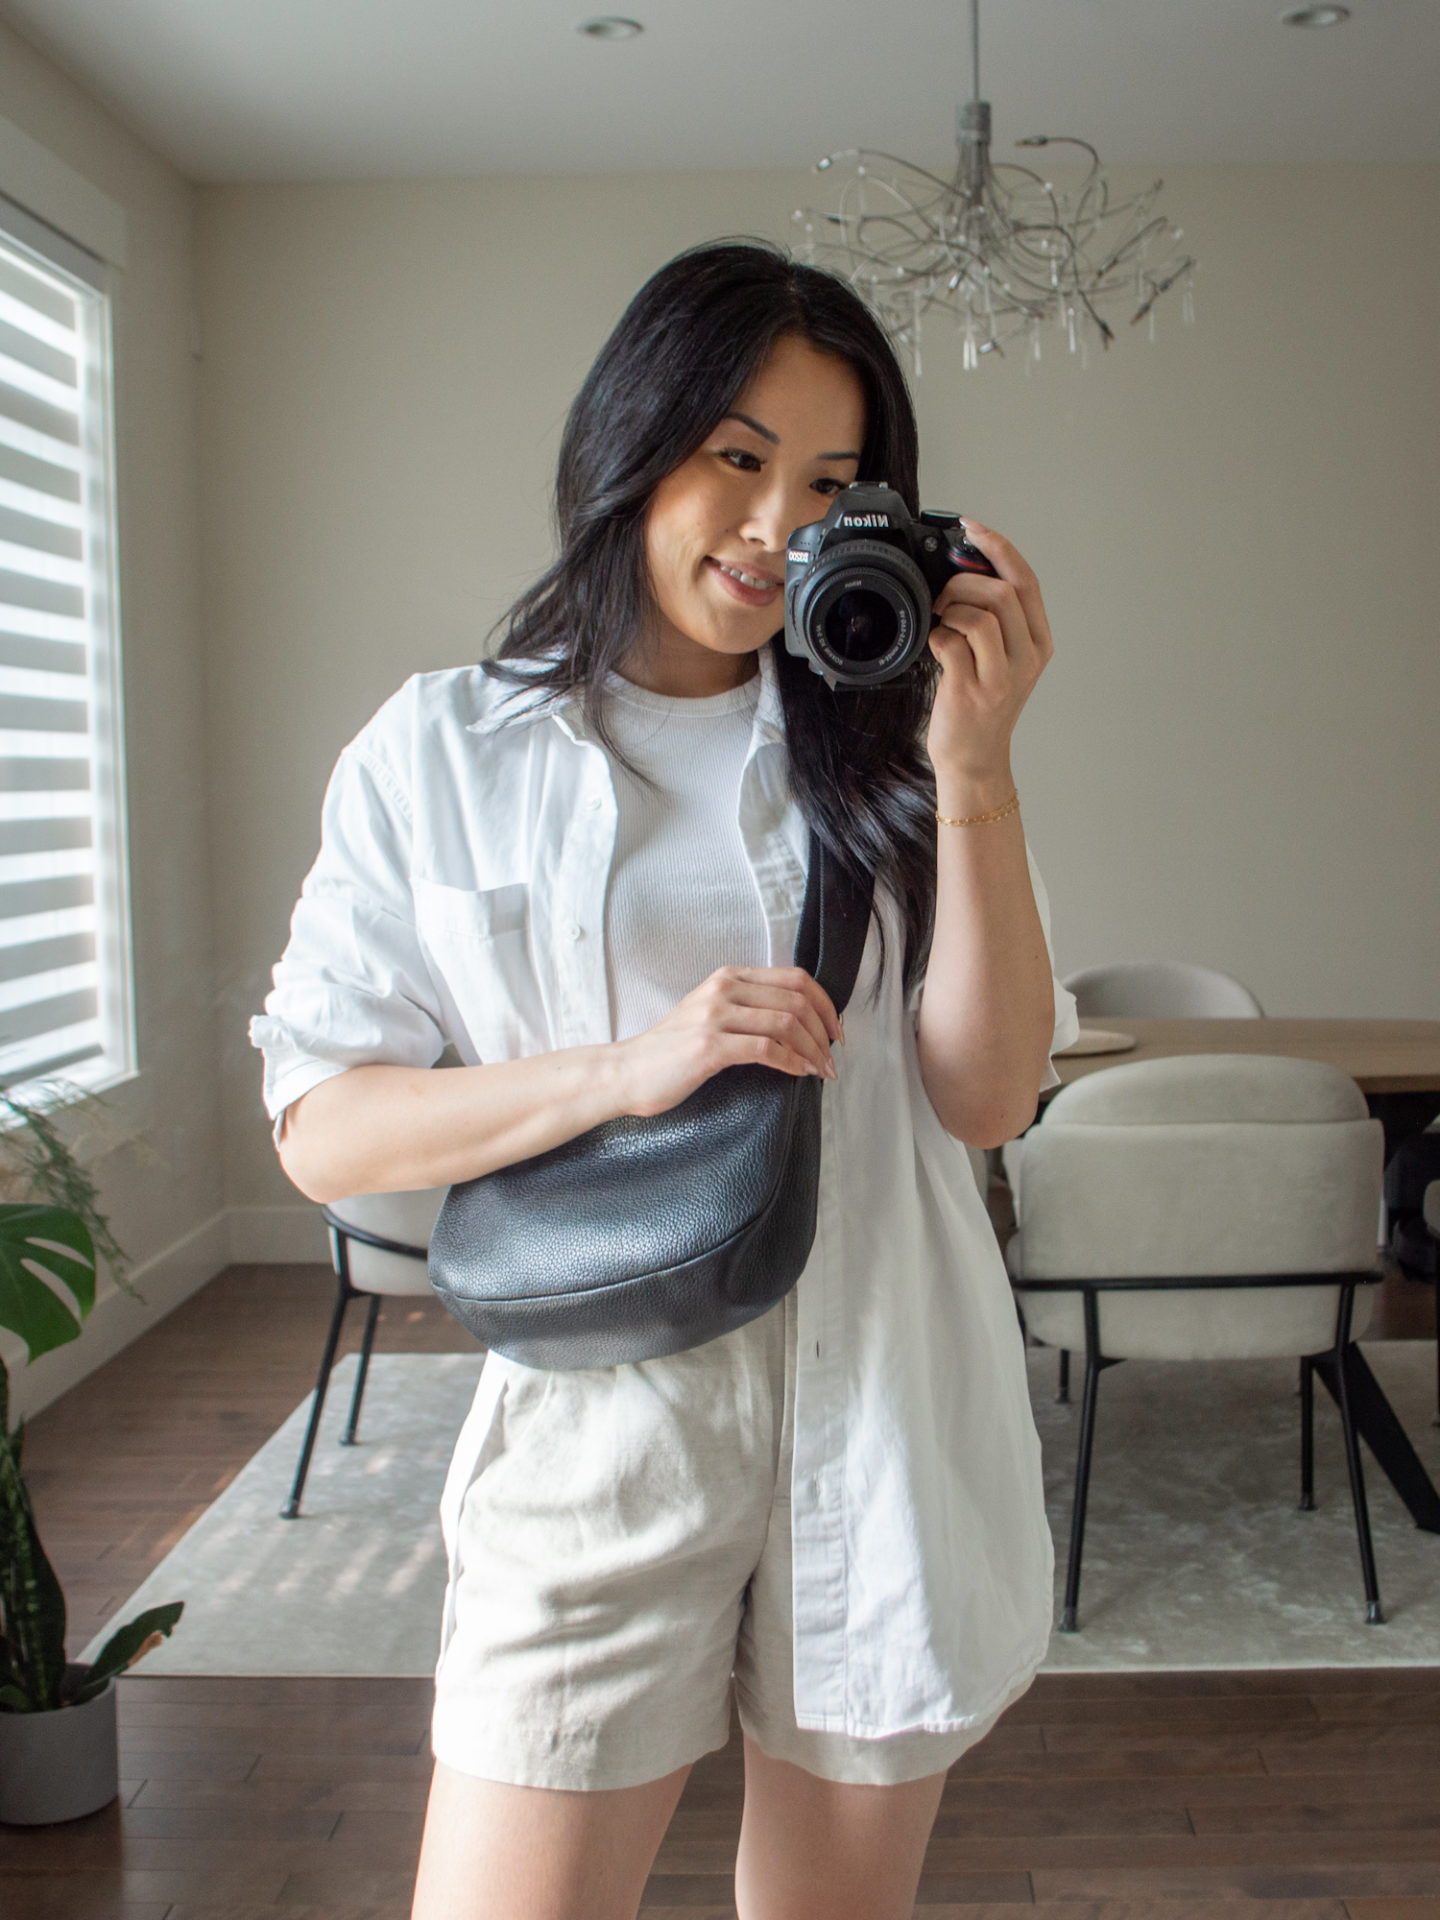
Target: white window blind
column 65, row 990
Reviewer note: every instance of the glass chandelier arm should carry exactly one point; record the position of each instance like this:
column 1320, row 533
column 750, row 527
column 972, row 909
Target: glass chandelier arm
column 1127, row 247
column 1162, row 286
column 864, row 155
column 1107, row 332
column 1064, row 140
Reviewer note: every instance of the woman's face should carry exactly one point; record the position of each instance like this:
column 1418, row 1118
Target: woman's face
column 717, row 526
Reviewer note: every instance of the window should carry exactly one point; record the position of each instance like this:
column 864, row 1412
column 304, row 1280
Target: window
column 65, row 991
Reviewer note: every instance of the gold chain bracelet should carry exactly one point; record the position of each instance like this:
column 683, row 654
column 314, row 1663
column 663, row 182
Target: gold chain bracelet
column 1012, row 805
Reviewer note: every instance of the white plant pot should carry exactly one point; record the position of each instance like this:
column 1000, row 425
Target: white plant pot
column 59, row 1765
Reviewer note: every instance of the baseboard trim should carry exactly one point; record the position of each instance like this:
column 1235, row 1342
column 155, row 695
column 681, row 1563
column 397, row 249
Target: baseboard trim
column 261, row 1236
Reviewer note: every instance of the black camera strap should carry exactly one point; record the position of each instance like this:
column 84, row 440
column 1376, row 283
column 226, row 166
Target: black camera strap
column 834, row 922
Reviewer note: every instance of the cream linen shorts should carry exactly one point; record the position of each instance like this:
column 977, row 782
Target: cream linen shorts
column 622, row 1559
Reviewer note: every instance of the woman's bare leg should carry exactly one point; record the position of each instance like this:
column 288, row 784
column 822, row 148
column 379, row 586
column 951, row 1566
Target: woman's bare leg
column 496, row 1852
column 813, row 1849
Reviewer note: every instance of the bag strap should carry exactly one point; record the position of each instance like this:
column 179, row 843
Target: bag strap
column 833, row 924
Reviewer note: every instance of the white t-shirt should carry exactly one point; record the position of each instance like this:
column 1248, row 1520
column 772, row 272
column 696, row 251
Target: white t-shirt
column 682, row 900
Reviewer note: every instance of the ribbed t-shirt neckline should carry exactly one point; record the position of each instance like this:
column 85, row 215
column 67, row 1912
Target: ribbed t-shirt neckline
column 742, row 699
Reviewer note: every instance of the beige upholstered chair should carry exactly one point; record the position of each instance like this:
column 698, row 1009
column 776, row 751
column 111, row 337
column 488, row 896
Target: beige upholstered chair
column 1148, row 989
column 1206, row 1208
column 1161, row 990
column 379, row 1247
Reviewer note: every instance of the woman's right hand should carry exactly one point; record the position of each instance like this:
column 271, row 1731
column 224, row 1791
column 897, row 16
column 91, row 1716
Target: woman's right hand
column 775, row 1016
column 386, row 1129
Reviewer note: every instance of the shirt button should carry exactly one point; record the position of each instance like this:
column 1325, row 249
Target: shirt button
column 575, row 930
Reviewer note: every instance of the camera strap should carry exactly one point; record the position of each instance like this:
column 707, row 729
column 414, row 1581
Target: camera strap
column 834, row 924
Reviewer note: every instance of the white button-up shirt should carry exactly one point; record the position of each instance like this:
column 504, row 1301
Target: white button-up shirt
column 459, row 896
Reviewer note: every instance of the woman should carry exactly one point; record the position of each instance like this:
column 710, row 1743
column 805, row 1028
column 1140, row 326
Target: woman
column 583, row 867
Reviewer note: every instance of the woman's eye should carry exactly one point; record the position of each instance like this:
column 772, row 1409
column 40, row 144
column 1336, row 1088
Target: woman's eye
column 741, row 458
column 829, row 486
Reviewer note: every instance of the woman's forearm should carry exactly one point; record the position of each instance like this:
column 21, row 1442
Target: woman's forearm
column 987, row 1012
column 385, row 1129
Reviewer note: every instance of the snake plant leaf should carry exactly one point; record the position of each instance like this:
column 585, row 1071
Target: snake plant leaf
column 30, row 1596
column 14, row 1441
column 42, row 1249
column 127, row 1645
column 14, row 1700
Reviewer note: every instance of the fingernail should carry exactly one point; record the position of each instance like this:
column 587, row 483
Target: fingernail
column 841, row 1019
column 832, row 1071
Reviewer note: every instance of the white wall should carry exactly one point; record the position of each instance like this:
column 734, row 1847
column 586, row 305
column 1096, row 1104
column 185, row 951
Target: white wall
column 158, row 1163
column 1232, row 758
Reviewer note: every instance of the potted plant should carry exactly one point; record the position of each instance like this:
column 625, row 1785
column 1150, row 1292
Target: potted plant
column 58, row 1749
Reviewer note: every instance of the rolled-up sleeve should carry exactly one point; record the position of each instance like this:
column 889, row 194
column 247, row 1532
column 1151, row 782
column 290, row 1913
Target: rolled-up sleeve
column 353, row 987
column 1067, row 1019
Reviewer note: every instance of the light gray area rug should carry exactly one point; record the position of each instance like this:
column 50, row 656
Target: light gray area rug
column 1196, row 1552
column 354, row 1586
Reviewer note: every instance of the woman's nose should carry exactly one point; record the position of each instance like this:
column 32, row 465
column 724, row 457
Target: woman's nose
column 776, row 512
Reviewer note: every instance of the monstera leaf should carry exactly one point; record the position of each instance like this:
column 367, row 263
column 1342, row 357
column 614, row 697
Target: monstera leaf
column 45, row 1253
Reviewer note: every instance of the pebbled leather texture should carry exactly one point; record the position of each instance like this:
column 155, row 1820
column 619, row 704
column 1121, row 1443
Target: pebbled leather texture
column 648, row 1235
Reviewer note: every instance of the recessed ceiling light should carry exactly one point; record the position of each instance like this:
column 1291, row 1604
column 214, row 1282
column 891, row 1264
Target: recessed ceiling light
column 1315, row 17
column 612, row 26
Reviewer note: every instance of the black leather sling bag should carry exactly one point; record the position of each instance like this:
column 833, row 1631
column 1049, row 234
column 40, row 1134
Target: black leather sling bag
column 650, row 1234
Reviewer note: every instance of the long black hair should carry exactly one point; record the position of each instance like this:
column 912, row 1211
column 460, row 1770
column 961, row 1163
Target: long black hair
column 689, row 342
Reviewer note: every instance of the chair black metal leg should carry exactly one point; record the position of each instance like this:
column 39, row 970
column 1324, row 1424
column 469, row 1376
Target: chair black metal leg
column 344, row 1294
column 1307, row 1436
column 1093, row 1365
column 347, row 1439
column 1062, row 1392
column 1373, row 1614
column 1376, row 1422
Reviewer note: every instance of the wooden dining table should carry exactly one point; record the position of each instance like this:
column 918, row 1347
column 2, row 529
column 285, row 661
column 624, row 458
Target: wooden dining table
column 1396, row 1065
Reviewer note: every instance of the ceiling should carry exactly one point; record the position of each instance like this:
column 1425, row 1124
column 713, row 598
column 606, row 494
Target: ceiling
column 355, row 89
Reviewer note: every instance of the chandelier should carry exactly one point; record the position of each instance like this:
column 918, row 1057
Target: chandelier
column 1002, row 250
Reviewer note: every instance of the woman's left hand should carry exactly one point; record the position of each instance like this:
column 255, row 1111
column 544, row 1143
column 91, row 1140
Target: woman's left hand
column 993, row 643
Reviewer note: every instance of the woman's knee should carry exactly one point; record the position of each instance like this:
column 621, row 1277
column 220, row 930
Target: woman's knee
column 815, row 1849
column 493, row 1851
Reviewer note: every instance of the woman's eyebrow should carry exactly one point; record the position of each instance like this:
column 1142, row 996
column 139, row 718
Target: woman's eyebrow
column 774, row 438
column 755, row 427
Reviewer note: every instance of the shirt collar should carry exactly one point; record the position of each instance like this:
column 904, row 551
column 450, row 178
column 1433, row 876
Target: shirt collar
column 507, row 705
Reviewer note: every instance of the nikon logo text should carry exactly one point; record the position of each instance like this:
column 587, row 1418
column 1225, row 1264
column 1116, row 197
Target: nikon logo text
column 864, row 519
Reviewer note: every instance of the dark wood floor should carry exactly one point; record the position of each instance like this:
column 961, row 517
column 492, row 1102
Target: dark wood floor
column 1292, row 1796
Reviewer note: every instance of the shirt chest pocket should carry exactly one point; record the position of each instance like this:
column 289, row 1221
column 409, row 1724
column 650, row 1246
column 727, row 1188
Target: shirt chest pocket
column 477, row 942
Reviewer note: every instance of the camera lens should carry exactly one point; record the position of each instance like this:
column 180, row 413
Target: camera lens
column 861, row 626
column 860, row 614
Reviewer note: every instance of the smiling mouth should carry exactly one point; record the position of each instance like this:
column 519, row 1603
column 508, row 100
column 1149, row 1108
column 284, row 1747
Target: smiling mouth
column 756, row 582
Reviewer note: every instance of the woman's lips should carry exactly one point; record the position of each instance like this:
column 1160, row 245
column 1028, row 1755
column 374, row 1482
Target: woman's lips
column 747, row 595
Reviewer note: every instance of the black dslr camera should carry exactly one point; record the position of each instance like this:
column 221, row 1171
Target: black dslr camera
column 860, row 584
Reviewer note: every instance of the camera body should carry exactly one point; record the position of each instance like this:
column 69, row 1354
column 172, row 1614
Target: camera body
column 860, row 584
